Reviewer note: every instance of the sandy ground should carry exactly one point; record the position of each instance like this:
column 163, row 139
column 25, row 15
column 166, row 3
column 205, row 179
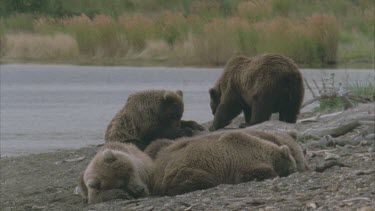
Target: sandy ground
column 47, row 181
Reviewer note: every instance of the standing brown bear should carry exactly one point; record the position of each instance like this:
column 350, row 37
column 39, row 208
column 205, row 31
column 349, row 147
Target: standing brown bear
column 148, row 115
column 190, row 164
column 257, row 86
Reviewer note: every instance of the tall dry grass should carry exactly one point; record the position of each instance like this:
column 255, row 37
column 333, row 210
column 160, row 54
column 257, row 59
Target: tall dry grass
column 172, row 27
column 313, row 40
column 324, row 29
column 216, row 44
column 255, row 10
column 97, row 37
column 25, row 46
column 138, row 29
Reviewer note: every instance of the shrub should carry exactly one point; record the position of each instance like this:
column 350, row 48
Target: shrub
column 325, row 32
column 281, row 35
column 42, row 47
column 138, row 28
column 172, row 27
column 255, row 10
column 216, row 44
column 97, row 37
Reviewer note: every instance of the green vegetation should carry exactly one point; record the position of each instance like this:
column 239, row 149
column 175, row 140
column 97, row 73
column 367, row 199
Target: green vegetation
column 357, row 92
column 187, row 32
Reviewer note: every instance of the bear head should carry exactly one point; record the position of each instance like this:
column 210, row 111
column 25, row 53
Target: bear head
column 111, row 170
column 285, row 164
column 171, row 107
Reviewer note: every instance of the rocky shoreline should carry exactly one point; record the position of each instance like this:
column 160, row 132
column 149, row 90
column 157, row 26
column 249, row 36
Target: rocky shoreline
column 342, row 176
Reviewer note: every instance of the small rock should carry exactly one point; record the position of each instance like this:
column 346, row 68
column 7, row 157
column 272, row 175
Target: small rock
column 206, row 200
column 371, row 149
column 138, row 207
column 36, row 207
column 188, row 209
column 311, row 205
column 236, row 205
column 148, row 208
column 365, row 143
column 370, row 137
column 366, row 209
column 331, row 156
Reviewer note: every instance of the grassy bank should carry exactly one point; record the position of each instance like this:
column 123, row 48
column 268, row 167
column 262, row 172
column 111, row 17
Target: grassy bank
column 195, row 33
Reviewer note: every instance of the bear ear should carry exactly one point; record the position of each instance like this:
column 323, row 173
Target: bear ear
column 93, row 183
column 168, row 96
column 108, row 156
column 179, row 92
column 293, row 134
column 285, row 151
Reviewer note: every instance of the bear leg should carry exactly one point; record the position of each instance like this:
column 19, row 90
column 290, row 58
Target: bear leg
column 188, row 180
column 260, row 112
column 258, row 172
column 226, row 111
column 288, row 116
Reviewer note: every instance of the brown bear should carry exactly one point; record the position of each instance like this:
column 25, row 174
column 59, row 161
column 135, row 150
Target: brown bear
column 153, row 149
column 118, row 170
column 282, row 138
column 148, row 115
column 197, row 163
column 257, row 86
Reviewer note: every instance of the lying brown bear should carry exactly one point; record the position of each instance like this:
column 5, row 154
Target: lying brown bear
column 190, row 164
column 118, row 171
column 122, row 171
column 282, row 138
column 257, row 86
column 148, row 115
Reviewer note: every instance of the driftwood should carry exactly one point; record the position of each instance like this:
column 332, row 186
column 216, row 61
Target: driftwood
column 329, row 164
column 336, row 131
column 329, row 141
column 368, row 123
column 319, row 117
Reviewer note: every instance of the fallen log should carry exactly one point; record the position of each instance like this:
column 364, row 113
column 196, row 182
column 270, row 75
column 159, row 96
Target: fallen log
column 336, row 131
column 329, row 164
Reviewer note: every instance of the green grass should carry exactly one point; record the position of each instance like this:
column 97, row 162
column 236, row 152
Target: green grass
column 364, row 89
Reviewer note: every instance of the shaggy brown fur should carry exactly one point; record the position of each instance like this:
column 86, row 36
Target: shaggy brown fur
column 153, row 149
column 116, row 170
column 258, row 86
column 199, row 163
column 149, row 115
column 288, row 139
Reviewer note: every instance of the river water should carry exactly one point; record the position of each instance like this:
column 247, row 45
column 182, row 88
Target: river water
column 51, row 107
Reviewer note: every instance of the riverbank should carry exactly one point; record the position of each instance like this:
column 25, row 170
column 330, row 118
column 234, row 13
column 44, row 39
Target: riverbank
column 47, row 181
